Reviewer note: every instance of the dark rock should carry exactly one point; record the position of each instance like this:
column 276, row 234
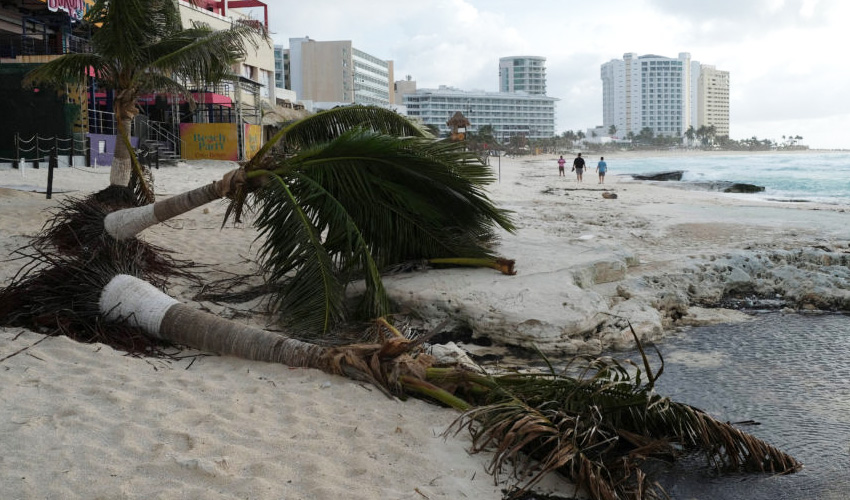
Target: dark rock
column 673, row 175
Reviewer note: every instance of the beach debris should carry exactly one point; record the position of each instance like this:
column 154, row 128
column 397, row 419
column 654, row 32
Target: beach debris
column 739, row 187
column 609, row 196
column 597, row 422
column 673, row 175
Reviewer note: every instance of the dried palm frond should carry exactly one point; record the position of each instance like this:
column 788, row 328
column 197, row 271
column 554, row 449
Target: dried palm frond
column 597, row 428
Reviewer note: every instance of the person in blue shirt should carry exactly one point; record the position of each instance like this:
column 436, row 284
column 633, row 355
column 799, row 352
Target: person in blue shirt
column 601, row 167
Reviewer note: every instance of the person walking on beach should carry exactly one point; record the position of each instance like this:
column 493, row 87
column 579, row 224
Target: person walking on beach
column 561, row 162
column 578, row 167
column 601, row 167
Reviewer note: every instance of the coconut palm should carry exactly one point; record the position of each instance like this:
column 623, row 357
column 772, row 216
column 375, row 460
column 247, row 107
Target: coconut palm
column 597, row 427
column 140, row 46
column 340, row 196
column 353, row 190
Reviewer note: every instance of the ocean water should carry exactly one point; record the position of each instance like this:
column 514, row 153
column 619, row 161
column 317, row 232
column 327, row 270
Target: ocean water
column 789, row 373
column 815, row 177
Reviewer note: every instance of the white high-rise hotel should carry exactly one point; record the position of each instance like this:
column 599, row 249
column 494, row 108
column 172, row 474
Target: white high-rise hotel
column 666, row 95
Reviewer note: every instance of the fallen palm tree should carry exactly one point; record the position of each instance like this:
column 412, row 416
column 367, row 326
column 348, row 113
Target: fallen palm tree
column 597, row 428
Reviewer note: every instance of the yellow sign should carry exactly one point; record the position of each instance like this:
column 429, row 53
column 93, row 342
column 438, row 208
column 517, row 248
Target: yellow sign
column 253, row 140
column 209, row 141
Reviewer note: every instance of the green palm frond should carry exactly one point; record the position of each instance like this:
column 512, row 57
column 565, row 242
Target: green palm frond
column 201, row 54
column 328, row 125
column 310, row 296
column 369, row 200
column 411, row 198
column 125, row 31
column 68, row 69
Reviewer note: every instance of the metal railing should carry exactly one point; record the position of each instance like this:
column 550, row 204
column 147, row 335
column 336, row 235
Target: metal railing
column 12, row 45
column 161, row 133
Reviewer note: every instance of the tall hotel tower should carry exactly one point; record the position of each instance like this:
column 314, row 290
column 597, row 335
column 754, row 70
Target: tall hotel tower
column 523, row 74
column 666, row 95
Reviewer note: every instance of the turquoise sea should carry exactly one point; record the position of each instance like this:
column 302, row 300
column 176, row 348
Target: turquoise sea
column 817, row 177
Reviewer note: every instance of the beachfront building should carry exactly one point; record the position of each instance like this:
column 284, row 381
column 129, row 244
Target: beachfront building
column 37, row 31
column 402, row 87
column 663, row 95
column 281, row 67
column 523, row 74
column 328, row 74
column 34, row 32
column 509, row 114
column 713, row 100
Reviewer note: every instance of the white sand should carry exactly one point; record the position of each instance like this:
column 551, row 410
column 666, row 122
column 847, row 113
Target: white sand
column 85, row 421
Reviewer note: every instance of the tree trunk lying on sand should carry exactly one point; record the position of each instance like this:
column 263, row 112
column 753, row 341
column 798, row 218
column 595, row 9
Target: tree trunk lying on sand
column 136, row 302
column 127, row 223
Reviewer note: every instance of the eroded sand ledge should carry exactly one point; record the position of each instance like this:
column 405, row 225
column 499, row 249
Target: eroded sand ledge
column 655, row 256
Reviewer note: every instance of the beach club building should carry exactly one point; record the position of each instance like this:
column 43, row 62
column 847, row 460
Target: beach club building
column 33, row 32
column 510, row 114
column 663, row 94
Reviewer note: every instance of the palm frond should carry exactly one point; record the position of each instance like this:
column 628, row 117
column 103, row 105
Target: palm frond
column 410, row 198
column 67, row 69
column 201, row 54
column 598, row 427
column 127, row 28
column 311, row 296
column 369, row 200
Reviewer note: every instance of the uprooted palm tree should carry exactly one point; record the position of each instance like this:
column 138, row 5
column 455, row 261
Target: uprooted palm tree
column 140, row 46
column 341, row 196
column 597, row 428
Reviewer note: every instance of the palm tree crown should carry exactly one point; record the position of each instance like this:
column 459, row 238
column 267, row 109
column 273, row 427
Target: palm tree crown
column 140, row 46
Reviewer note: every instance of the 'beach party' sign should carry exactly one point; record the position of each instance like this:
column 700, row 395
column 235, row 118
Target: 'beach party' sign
column 209, row 141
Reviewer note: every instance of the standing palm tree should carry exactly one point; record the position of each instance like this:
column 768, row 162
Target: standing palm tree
column 690, row 134
column 140, row 46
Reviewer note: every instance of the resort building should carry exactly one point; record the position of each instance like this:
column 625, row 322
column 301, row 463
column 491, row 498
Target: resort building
column 34, row 32
column 663, row 94
column 523, row 74
column 509, row 114
column 713, row 100
column 281, row 67
column 402, row 87
column 337, row 73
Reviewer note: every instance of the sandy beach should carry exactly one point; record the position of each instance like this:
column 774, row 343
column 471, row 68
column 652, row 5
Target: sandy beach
column 86, row 421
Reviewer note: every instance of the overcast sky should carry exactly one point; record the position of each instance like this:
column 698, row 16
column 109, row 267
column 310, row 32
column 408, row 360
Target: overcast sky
column 788, row 71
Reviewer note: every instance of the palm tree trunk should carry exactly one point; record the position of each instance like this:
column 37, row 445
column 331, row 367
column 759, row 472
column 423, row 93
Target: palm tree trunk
column 122, row 165
column 127, row 223
column 129, row 299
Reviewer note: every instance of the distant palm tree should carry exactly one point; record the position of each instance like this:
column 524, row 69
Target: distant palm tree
column 140, row 46
column 612, row 130
column 690, row 134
